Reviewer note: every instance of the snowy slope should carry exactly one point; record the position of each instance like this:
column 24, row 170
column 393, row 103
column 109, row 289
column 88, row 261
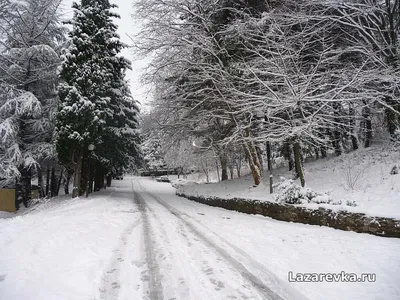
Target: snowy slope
column 362, row 176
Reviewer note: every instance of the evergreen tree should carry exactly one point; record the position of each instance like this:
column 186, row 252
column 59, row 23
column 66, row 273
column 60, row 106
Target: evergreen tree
column 33, row 37
column 93, row 95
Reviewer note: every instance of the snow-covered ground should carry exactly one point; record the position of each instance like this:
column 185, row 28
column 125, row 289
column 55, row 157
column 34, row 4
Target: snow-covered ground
column 151, row 244
column 362, row 176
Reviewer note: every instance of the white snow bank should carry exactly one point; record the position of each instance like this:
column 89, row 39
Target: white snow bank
column 60, row 249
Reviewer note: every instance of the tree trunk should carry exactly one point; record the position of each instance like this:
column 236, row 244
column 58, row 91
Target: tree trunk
column 298, row 164
column 269, row 155
column 224, row 166
column 316, row 151
column 392, row 119
column 259, row 157
column 91, row 179
column 78, row 175
column 337, row 143
column 337, row 136
column 40, row 182
column 57, row 191
column 323, row 151
column 98, row 178
column 25, row 187
column 287, row 153
column 67, row 181
column 255, row 172
column 53, row 184
column 17, row 193
column 47, row 181
column 368, row 125
column 217, row 166
column 231, row 171
column 205, row 171
column 238, row 171
column 354, row 140
column 84, row 177
column 109, row 179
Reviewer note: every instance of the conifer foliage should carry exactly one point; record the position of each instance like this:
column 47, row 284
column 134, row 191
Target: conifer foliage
column 95, row 104
column 32, row 37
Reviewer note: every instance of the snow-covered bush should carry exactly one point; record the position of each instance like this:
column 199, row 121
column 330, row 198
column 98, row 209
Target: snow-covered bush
column 290, row 192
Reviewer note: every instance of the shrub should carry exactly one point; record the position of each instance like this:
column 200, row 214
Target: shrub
column 289, row 192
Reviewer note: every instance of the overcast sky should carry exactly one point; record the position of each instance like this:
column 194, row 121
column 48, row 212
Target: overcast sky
column 126, row 26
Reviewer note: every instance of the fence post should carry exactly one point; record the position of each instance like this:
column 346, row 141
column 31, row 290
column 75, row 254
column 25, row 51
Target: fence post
column 271, row 183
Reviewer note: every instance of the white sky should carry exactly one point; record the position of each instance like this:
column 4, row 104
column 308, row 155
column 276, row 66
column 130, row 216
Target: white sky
column 126, row 26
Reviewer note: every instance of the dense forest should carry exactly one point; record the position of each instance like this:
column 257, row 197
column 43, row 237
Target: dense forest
column 237, row 81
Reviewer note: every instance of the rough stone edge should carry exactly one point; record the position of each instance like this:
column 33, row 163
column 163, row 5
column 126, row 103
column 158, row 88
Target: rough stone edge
column 344, row 220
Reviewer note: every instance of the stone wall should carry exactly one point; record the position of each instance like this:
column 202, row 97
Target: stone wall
column 343, row 220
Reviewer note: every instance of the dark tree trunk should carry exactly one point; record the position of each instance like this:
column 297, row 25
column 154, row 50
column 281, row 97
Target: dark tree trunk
column 84, row 178
column 57, row 191
column 269, row 156
column 368, row 125
column 323, row 151
column 298, row 163
column 354, row 140
column 67, row 181
column 77, row 174
column 238, row 167
column 98, row 178
column 17, row 193
column 53, row 184
column 392, row 118
column 316, row 151
column 40, row 182
column 259, row 156
column 25, row 187
column 337, row 143
column 287, row 153
column 109, row 179
column 47, row 181
column 224, row 166
column 337, row 136
column 91, row 180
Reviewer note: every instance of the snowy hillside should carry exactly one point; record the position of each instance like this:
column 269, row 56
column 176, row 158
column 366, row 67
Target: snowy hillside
column 361, row 177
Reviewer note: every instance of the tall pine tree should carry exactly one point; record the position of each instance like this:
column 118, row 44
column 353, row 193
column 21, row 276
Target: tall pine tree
column 32, row 40
column 93, row 93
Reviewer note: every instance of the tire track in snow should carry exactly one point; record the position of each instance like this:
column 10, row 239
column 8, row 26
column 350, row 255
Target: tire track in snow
column 262, row 289
column 292, row 294
column 155, row 286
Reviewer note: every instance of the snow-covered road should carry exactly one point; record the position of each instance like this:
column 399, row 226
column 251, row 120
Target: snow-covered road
column 186, row 262
column 140, row 241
